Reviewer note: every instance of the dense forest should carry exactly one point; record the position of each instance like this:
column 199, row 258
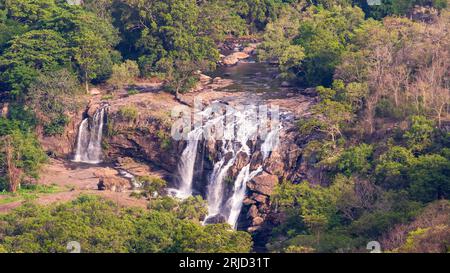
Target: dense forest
column 380, row 126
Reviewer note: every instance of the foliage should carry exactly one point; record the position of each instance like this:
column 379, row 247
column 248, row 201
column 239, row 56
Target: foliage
column 128, row 113
column 356, row 160
column 99, row 226
column 20, row 151
column 123, row 74
column 51, row 97
column 152, row 185
column 37, row 50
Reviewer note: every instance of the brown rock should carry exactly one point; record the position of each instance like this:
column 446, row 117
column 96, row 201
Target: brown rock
column 263, row 183
column 113, row 183
column 252, row 212
column 247, row 201
column 257, row 221
column 230, row 60
column 259, row 198
column 94, row 91
column 235, row 57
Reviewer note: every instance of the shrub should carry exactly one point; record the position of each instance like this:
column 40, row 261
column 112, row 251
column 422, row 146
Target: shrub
column 128, row 113
column 356, row 160
column 123, row 74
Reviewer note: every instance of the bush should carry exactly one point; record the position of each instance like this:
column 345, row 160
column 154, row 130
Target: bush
column 152, row 185
column 420, row 135
column 356, row 160
column 56, row 126
column 123, row 74
column 128, row 113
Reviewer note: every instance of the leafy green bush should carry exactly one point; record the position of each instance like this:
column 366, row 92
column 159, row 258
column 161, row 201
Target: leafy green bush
column 152, row 184
column 356, row 160
column 56, row 126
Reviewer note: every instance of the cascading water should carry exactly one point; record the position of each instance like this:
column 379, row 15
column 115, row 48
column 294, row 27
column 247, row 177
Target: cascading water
column 241, row 128
column 187, row 164
column 240, row 185
column 89, row 149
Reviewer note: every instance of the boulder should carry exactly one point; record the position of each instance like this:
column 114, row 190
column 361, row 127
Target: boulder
column 235, row 57
column 205, row 79
column 257, row 221
column 285, row 84
column 311, row 92
column 94, row 91
column 230, row 60
column 247, row 201
column 252, row 212
column 113, row 183
column 249, row 50
column 259, row 198
column 263, row 183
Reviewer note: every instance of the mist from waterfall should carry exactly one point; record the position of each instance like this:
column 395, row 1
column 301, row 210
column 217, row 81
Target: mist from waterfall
column 89, row 142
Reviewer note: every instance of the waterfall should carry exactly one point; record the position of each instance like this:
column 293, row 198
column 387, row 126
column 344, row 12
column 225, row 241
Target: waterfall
column 89, row 142
column 225, row 196
column 187, row 163
column 240, row 186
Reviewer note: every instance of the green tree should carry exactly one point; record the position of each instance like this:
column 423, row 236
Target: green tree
column 31, row 53
column 429, row 178
column 420, row 135
column 52, row 96
column 90, row 53
column 324, row 35
column 278, row 45
column 356, row 160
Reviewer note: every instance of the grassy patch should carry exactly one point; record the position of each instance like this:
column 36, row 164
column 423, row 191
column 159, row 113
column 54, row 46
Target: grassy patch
column 27, row 192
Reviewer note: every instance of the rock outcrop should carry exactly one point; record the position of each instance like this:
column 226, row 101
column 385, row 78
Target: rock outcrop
column 234, row 58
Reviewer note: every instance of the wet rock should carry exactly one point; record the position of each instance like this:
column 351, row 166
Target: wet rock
column 263, row 184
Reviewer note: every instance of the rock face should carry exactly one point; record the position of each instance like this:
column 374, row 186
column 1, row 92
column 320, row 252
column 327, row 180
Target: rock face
column 263, row 184
column 62, row 145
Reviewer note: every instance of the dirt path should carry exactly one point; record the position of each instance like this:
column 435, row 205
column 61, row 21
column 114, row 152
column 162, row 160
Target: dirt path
column 73, row 180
